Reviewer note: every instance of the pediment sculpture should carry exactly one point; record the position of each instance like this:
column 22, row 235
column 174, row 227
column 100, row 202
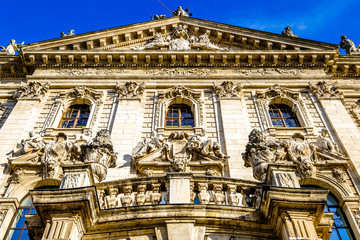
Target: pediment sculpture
column 179, row 152
column 50, row 156
column 179, row 40
column 262, row 150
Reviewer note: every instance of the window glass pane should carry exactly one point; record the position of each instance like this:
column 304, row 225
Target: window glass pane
column 14, row 234
column 33, row 211
column 345, row 234
column 24, row 235
column 331, row 201
column 20, row 222
column 334, row 235
column 179, row 113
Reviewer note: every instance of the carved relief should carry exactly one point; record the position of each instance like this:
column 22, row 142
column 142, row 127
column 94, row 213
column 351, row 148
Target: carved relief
column 130, row 89
column 89, row 72
column 262, row 150
column 3, row 213
column 179, row 152
column 73, row 180
column 180, row 72
column 227, row 89
column 355, row 109
column 356, row 213
column 31, row 89
column 323, row 89
column 81, row 92
column 97, row 152
column 339, row 174
column 179, row 40
column 269, row 72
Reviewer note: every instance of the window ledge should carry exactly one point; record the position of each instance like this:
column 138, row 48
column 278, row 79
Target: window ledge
column 69, row 131
column 286, row 132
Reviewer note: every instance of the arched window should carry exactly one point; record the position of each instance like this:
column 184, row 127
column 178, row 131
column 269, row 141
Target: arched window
column 283, row 116
column 18, row 230
column 76, row 116
column 340, row 229
column 179, row 116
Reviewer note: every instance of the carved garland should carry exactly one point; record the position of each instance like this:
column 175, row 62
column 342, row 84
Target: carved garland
column 179, row 93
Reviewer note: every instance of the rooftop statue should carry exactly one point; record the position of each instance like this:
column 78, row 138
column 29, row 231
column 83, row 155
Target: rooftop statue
column 287, row 32
column 71, row 32
column 181, row 12
column 348, row 45
column 12, row 48
column 157, row 17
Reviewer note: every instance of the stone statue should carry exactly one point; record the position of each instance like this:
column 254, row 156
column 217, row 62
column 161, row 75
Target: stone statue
column 56, row 152
column 100, row 154
column 71, row 32
column 324, row 142
column 157, row 17
column 77, row 147
column 180, row 12
column 348, row 45
column 34, row 143
column 12, row 48
column 203, row 145
column 287, row 32
column 148, row 145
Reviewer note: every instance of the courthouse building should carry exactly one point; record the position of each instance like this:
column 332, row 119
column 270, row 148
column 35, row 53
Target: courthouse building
column 179, row 129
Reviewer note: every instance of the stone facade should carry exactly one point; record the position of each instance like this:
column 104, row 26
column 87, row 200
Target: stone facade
column 231, row 174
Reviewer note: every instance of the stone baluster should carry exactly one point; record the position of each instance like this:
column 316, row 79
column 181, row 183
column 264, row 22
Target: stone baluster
column 204, row 196
column 141, row 195
column 113, row 199
column 219, row 196
column 156, row 195
column 127, row 200
column 233, row 197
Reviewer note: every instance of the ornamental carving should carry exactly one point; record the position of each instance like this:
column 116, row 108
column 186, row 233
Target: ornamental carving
column 89, row 72
column 227, row 89
column 130, row 89
column 97, row 152
column 262, row 150
column 339, row 174
column 269, row 72
column 3, row 213
column 355, row 110
column 179, row 152
column 31, row 89
column 73, row 180
column 277, row 91
column 81, row 92
column 323, row 89
column 179, row 40
column 180, row 72
column 356, row 213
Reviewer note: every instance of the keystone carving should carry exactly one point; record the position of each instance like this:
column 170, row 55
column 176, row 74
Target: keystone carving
column 323, row 89
column 179, row 152
column 31, row 89
column 130, row 89
column 179, row 40
column 227, row 89
column 82, row 92
column 339, row 174
column 262, row 150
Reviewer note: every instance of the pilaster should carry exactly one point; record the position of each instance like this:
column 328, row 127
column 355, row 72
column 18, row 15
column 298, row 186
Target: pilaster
column 64, row 227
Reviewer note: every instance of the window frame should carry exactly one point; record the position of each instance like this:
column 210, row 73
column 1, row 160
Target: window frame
column 77, row 118
column 180, row 118
column 280, row 108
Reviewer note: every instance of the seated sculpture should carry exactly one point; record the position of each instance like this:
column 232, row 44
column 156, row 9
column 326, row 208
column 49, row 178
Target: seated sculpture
column 203, row 145
column 348, row 45
column 34, row 143
column 148, row 145
column 180, row 12
column 287, row 32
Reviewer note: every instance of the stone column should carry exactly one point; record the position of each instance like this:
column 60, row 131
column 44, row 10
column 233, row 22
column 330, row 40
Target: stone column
column 64, row 227
column 126, row 131
column 236, row 128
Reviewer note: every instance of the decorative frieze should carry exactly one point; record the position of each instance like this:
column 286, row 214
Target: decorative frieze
column 180, row 72
column 227, row 89
column 130, row 89
column 269, row 72
column 88, row 72
column 31, row 89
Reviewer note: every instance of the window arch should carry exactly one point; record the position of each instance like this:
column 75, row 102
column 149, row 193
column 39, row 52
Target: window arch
column 341, row 229
column 75, row 116
column 18, row 229
column 283, row 116
column 179, row 116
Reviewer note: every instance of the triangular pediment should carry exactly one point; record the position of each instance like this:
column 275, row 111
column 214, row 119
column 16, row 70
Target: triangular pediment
column 225, row 37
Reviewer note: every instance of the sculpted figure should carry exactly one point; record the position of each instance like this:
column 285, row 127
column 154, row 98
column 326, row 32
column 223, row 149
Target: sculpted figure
column 156, row 43
column 31, row 89
column 348, row 45
column 148, row 145
column 157, row 17
column 12, row 48
column 287, row 32
column 34, row 143
column 204, row 146
column 56, row 151
column 180, row 12
column 100, row 154
column 71, row 32
column 260, row 152
column 77, row 147
column 324, row 142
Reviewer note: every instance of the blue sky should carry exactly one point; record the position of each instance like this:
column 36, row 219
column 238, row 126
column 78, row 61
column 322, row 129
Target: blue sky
column 38, row 20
